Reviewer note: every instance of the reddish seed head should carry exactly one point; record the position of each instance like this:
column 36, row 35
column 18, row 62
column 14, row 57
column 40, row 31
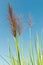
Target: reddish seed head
column 30, row 24
column 19, row 25
column 12, row 20
column 15, row 25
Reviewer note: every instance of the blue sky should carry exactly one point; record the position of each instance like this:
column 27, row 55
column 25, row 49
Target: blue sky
column 35, row 7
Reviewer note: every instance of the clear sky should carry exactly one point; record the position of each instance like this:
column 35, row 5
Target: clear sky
column 35, row 7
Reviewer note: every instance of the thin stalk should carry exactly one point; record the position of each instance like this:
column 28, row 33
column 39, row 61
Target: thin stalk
column 4, row 60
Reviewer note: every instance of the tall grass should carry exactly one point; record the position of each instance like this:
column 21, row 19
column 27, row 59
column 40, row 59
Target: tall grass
column 33, row 59
column 38, row 60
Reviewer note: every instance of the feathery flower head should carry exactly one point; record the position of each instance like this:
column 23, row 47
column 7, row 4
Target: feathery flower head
column 16, row 25
column 30, row 24
column 12, row 20
column 19, row 25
